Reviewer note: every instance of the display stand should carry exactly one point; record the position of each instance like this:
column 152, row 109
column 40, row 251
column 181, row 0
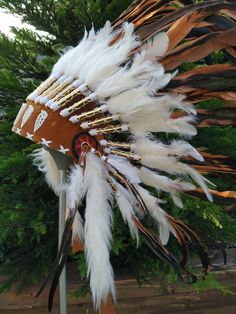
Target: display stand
column 62, row 161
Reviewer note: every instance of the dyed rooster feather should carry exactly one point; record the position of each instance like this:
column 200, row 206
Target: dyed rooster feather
column 123, row 78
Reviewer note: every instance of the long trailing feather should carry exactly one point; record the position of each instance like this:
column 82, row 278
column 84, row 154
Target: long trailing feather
column 77, row 228
column 97, row 233
column 163, row 183
column 157, row 213
column 170, row 165
column 75, row 194
column 45, row 163
column 162, row 157
column 177, row 148
column 75, row 187
column 127, row 210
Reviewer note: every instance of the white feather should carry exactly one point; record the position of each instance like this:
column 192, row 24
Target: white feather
column 75, row 187
column 177, row 148
column 124, row 167
column 157, row 47
column 182, row 148
column 127, row 211
column 63, row 65
column 98, row 220
column 138, row 99
column 129, row 77
column 151, row 114
column 157, row 213
column 45, row 163
column 144, row 67
column 172, row 166
column 77, row 228
column 148, row 121
column 163, row 183
column 103, row 60
column 75, row 194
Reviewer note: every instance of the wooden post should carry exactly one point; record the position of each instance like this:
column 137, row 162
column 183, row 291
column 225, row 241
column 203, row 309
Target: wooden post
column 107, row 307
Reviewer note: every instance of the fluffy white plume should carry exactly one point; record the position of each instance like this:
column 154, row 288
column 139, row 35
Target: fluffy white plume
column 124, row 167
column 75, row 194
column 97, row 233
column 182, row 148
column 75, row 187
column 127, row 211
column 171, row 165
column 156, row 47
column 163, row 183
column 157, row 213
column 148, row 121
column 63, row 61
column 145, row 113
column 130, row 77
column 165, row 158
column 100, row 41
column 77, row 228
column 103, row 60
column 144, row 66
column 177, row 148
column 46, row 164
column 63, row 65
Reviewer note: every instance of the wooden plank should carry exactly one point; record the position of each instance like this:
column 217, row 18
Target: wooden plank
column 146, row 299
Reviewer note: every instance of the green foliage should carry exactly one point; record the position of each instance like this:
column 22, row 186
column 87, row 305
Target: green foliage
column 210, row 283
column 65, row 19
column 28, row 215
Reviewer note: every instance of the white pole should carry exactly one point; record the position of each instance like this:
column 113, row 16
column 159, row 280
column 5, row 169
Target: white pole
column 62, row 212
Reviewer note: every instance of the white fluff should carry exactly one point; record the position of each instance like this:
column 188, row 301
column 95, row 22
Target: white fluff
column 129, row 77
column 143, row 68
column 97, row 237
column 163, row 183
column 100, row 41
column 45, row 163
column 157, row 213
column 64, row 64
column 182, row 148
column 145, row 113
column 103, row 60
column 77, row 228
column 165, row 158
column 75, row 194
column 124, row 167
column 172, row 166
column 75, row 187
column 157, row 47
column 148, row 121
column 127, row 211
column 177, row 148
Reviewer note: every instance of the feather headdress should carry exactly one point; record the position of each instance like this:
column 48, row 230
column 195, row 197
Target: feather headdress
column 121, row 79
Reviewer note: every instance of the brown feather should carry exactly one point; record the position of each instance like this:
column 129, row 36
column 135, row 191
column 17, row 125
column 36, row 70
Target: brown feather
column 192, row 51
